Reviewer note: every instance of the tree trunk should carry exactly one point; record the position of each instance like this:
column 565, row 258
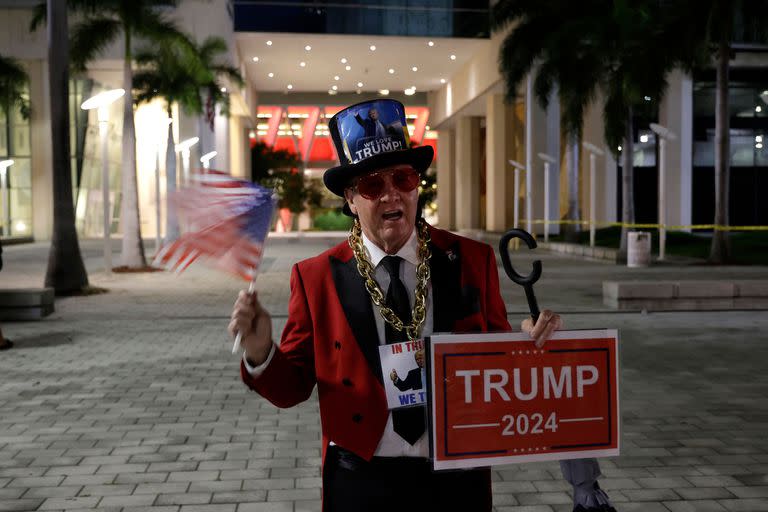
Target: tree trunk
column 65, row 273
column 171, row 221
column 720, row 250
column 627, row 187
column 572, row 168
column 133, row 245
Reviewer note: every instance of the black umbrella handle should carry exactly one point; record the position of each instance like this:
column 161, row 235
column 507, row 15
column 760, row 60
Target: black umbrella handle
column 525, row 281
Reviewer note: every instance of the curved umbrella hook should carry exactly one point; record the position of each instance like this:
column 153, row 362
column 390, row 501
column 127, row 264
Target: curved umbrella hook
column 525, row 281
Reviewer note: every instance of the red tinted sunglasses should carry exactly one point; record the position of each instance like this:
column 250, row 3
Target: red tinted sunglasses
column 371, row 186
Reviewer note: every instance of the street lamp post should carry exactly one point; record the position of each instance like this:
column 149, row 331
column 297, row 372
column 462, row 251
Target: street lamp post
column 594, row 152
column 664, row 135
column 101, row 103
column 547, row 161
column 206, row 159
column 6, row 201
column 184, row 148
column 518, row 167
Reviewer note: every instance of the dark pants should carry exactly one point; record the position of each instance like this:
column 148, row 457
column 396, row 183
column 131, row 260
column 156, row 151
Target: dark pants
column 400, row 484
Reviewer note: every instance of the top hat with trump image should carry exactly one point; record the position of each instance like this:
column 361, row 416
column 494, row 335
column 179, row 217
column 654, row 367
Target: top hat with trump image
column 369, row 136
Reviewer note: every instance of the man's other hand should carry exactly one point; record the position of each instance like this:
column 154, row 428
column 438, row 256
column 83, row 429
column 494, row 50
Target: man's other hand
column 548, row 323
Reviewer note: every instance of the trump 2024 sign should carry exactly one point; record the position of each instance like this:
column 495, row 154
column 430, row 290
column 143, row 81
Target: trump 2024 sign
column 497, row 399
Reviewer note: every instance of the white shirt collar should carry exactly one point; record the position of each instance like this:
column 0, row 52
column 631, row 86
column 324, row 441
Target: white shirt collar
column 409, row 251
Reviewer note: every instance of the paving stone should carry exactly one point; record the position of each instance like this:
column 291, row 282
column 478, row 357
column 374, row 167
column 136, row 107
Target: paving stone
column 188, row 498
column 694, row 506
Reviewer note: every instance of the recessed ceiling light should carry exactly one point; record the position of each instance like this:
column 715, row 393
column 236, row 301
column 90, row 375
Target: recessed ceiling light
column 331, row 92
column 759, row 145
column 372, row 48
column 359, row 84
column 758, row 109
column 384, row 92
column 270, row 75
column 343, row 60
column 442, row 80
column 289, row 86
column 302, row 64
column 414, row 68
column 223, row 89
column 348, row 68
column 307, row 47
column 269, row 43
column 431, row 43
column 391, row 71
column 335, row 87
column 410, row 92
column 336, row 77
column 255, row 59
column 644, row 138
column 453, row 57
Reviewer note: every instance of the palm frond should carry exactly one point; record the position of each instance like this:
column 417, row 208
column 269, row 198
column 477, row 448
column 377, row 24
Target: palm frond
column 13, row 84
column 90, row 37
column 39, row 16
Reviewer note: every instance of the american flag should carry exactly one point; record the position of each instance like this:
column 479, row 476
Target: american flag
column 226, row 222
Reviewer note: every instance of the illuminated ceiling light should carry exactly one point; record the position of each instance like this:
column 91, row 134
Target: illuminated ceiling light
column 391, row 71
column 348, row 68
column 759, row 145
column 269, row 43
column 643, row 138
column 758, row 109
column 765, row 93
column 453, row 57
column 343, row 60
column 384, row 92
column 336, row 78
column 331, row 92
column 619, row 148
column 758, row 138
column 426, row 127
column 223, row 89
column 410, row 92
column 255, row 59
column 647, row 98
column 431, row 43
column 270, row 75
column 307, row 47
column 414, row 68
column 289, row 86
column 442, row 80
column 359, row 84
column 372, row 48
column 335, row 87
column 302, row 64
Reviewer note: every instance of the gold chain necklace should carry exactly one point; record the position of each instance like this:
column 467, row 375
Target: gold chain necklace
column 365, row 268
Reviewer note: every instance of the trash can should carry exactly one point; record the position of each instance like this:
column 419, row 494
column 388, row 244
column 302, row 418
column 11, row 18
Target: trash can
column 639, row 249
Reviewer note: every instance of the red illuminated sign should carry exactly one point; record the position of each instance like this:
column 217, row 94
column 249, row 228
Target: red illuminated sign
column 497, row 399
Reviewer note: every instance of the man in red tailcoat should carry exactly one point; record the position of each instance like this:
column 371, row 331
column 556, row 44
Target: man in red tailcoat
column 397, row 278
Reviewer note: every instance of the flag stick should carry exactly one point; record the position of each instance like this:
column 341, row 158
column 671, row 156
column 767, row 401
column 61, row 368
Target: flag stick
column 239, row 336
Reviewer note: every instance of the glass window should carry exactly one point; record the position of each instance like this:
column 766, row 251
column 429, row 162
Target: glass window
column 15, row 135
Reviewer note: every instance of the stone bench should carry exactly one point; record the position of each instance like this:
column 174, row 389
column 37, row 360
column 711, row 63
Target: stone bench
column 26, row 303
column 693, row 295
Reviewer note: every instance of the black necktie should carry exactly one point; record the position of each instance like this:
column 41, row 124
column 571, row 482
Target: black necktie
column 408, row 423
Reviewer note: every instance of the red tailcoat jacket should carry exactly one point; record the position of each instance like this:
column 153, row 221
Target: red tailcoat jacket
column 330, row 338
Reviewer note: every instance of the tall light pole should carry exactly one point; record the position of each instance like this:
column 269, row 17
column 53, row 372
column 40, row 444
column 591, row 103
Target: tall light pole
column 518, row 167
column 184, row 148
column 101, row 103
column 5, row 200
column 594, row 152
column 548, row 160
column 162, row 130
column 206, row 159
column 664, row 135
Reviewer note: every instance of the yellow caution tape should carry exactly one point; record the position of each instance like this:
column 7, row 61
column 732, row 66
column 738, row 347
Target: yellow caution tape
column 669, row 227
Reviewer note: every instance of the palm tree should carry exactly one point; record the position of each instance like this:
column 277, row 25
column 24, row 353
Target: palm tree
column 66, row 273
column 13, row 85
column 215, row 72
column 549, row 39
column 103, row 23
column 702, row 29
column 171, row 72
column 606, row 46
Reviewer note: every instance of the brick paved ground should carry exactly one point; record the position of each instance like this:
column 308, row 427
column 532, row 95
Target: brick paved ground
column 131, row 401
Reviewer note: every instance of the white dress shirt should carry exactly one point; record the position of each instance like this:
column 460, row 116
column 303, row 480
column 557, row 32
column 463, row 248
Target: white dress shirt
column 390, row 444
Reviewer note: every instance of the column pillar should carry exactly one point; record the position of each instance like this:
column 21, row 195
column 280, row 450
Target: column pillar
column 676, row 113
column 498, row 171
column 468, row 173
column 446, row 179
